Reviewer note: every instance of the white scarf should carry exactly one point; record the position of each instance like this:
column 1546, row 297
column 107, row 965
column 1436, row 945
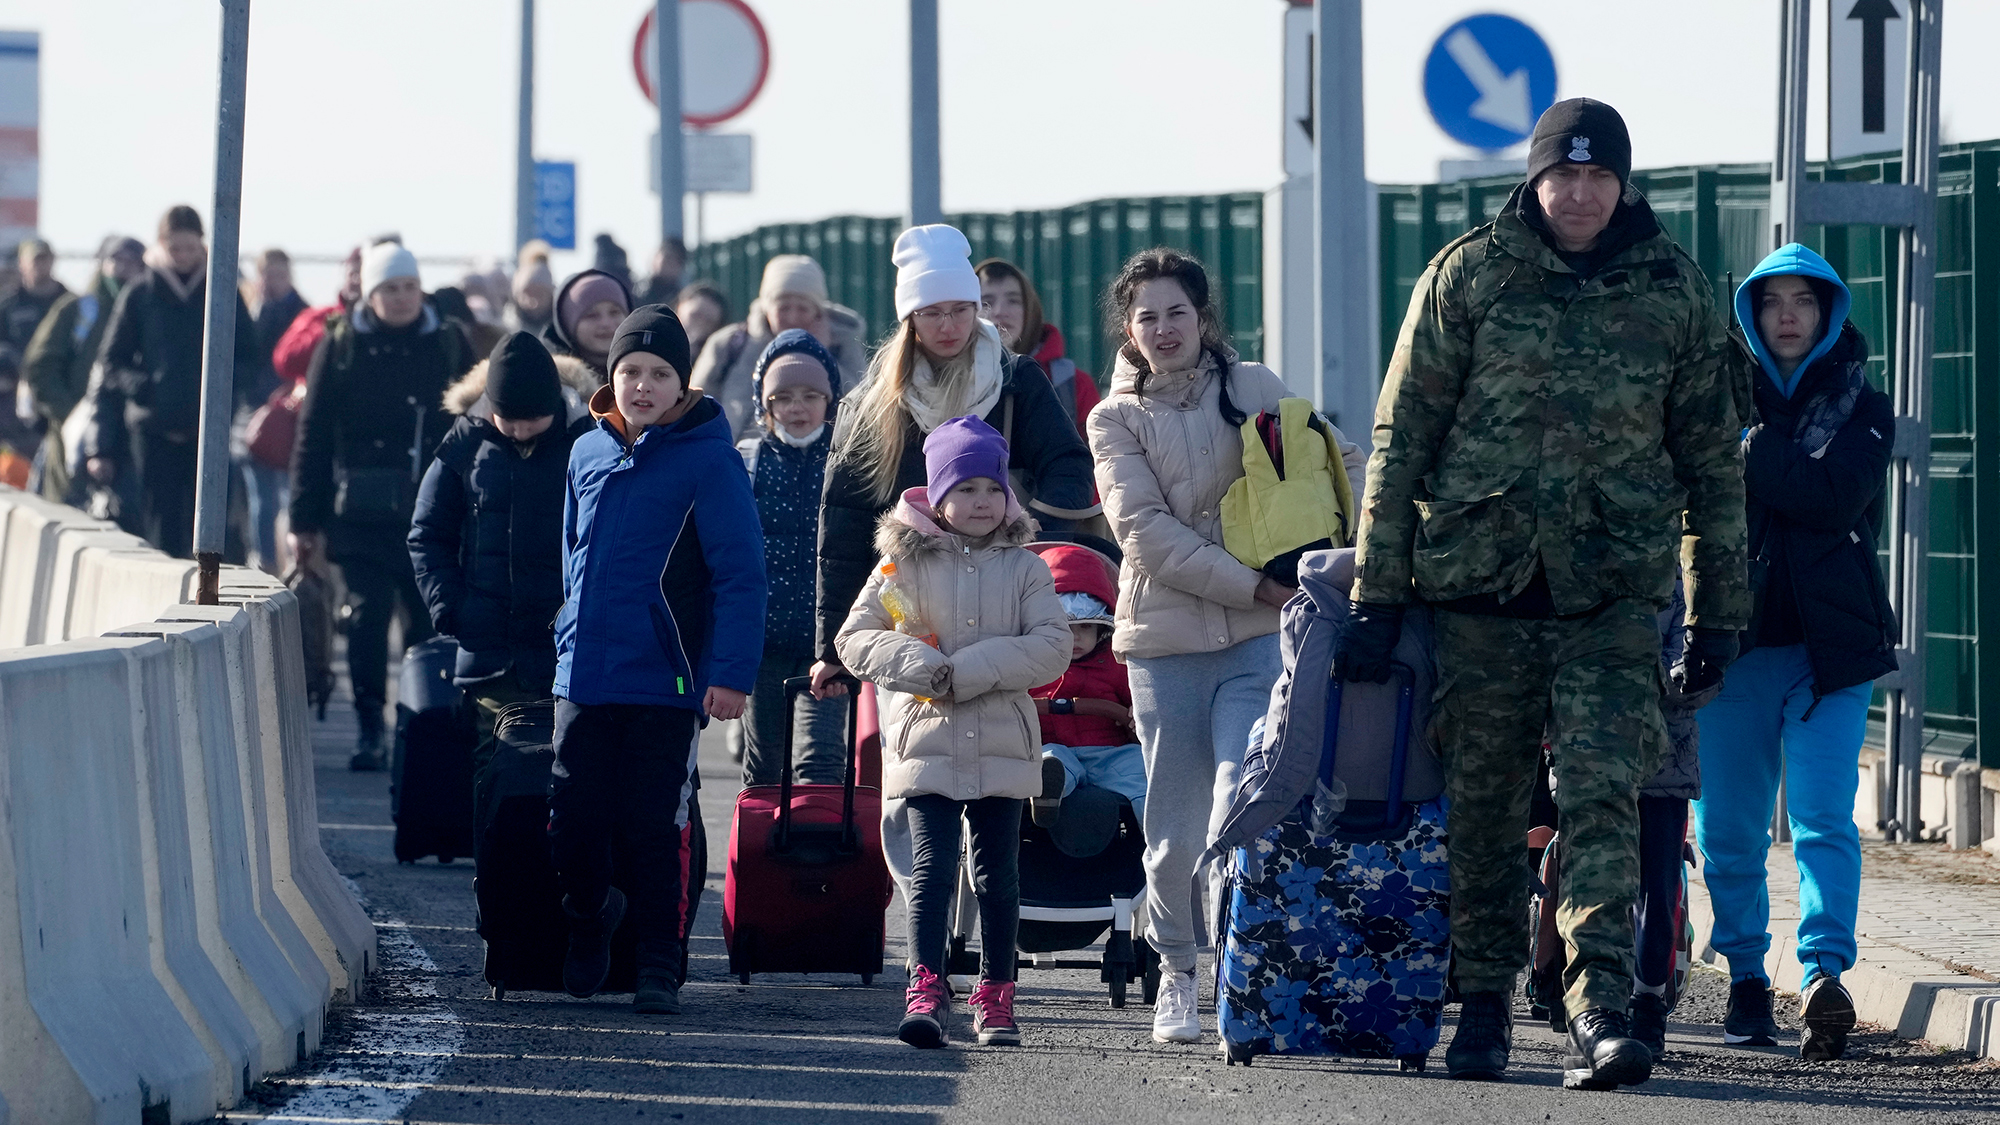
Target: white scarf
column 800, row 442
column 931, row 408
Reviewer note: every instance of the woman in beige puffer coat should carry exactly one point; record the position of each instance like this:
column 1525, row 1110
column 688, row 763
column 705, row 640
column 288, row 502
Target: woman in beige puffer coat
column 1196, row 628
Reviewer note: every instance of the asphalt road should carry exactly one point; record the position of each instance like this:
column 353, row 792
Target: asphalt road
column 430, row 1046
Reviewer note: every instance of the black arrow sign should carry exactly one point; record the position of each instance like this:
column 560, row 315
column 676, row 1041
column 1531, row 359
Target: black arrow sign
column 1306, row 122
column 1874, row 14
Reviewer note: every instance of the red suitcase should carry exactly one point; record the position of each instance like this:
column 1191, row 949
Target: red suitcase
column 807, row 890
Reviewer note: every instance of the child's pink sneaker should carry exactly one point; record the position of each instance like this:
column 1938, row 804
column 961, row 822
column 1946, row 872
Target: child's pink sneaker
column 929, row 1007
column 992, row 1007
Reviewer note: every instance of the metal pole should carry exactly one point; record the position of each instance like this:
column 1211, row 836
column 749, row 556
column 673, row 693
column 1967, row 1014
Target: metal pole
column 926, row 192
column 1347, row 382
column 218, row 361
column 1788, row 164
column 673, row 150
column 524, row 134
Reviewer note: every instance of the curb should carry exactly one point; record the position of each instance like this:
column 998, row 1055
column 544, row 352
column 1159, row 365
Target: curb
column 1915, row 996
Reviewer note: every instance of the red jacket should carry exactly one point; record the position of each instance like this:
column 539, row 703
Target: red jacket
column 292, row 354
column 1083, row 388
column 1097, row 674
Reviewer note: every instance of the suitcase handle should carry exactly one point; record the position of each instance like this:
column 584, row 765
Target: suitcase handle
column 1406, row 685
column 850, row 837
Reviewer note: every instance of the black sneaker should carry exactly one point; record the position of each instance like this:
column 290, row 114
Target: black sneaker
column 1046, row 809
column 589, row 958
column 1602, row 1053
column 368, row 756
column 1748, row 1022
column 657, row 996
column 1828, row 1013
column 1649, row 1021
column 1485, row 1036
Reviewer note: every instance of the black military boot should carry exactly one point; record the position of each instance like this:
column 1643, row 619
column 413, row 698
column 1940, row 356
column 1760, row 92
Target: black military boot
column 1649, row 1021
column 1478, row 1051
column 589, row 958
column 1602, row 1053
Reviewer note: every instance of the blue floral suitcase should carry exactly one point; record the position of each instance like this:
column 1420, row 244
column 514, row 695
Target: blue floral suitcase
column 1338, row 944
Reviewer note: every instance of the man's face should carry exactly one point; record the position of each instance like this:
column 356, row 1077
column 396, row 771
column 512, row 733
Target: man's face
column 276, row 277
column 1577, row 200
column 397, row 302
column 124, row 268
column 36, row 269
column 184, row 250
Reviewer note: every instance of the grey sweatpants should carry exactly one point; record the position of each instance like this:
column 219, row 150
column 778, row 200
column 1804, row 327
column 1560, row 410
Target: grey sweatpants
column 1194, row 712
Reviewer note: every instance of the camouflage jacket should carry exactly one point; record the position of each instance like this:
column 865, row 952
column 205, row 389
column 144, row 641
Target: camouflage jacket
column 1591, row 424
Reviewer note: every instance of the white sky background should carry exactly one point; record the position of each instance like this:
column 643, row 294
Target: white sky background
column 372, row 115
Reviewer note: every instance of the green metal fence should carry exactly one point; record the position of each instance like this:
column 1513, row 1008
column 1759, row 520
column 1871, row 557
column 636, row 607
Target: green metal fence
column 1071, row 254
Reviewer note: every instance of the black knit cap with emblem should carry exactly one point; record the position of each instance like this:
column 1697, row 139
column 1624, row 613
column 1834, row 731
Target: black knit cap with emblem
column 654, row 329
column 1580, row 131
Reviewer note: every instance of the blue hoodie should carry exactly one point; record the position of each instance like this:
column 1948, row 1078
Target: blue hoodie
column 663, row 563
column 1792, row 259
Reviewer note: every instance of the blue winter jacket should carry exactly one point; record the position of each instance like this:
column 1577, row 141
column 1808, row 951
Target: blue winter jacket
column 663, row 564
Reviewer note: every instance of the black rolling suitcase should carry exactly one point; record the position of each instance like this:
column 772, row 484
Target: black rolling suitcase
column 520, row 903
column 430, row 780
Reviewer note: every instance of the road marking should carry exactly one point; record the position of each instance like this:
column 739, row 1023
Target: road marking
column 357, row 828
column 622, row 1096
column 685, row 1064
column 883, row 1041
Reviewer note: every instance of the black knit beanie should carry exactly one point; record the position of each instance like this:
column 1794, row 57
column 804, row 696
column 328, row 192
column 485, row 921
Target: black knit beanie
column 653, row 329
column 1580, row 131
column 521, row 379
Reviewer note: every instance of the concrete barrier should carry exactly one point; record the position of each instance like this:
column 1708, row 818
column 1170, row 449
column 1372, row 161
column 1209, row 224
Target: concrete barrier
column 71, row 540
column 28, row 531
column 116, row 587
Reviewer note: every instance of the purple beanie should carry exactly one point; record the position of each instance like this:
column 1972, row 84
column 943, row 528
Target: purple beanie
column 959, row 450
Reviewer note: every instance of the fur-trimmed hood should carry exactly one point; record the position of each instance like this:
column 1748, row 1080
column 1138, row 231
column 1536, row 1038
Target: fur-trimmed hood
column 909, row 528
column 467, row 397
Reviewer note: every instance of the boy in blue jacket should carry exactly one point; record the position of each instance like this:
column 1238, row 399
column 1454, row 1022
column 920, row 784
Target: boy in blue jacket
column 661, row 543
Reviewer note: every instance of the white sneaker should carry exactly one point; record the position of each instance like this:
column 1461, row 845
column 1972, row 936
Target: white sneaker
column 1174, row 1016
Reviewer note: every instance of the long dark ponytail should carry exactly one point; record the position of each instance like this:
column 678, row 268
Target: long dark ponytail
column 1162, row 263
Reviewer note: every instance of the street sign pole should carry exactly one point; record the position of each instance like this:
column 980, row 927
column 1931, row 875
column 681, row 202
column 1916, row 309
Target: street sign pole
column 667, row 90
column 926, row 192
column 218, row 361
column 524, row 133
column 1346, row 384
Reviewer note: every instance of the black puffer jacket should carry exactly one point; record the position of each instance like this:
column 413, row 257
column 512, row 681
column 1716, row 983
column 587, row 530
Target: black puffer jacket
column 1814, row 523
column 1050, row 462
column 486, row 539
column 151, row 356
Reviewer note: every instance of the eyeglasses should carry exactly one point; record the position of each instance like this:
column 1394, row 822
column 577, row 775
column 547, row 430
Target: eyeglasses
column 938, row 314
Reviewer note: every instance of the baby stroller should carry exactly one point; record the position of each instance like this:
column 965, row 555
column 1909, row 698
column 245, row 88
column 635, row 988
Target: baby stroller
column 1082, row 879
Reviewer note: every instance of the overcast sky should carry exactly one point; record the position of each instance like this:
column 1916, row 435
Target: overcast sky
column 371, row 115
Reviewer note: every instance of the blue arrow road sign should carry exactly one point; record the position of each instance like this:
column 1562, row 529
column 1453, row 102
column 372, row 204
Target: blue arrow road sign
column 555, row 203
column 1487, row 79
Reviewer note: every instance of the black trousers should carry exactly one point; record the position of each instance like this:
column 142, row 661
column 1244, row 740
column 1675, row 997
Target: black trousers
column 166, row 470
column 620, row 774
column 996, row 878
column 1663, row 825
column 378, row 581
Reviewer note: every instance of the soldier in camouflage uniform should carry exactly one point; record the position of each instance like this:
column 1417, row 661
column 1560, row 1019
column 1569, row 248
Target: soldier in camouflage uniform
column 1559, row 420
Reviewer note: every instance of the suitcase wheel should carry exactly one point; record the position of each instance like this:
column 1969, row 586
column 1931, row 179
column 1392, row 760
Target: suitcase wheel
column 1412, row 1064
column 499, row 992
column 742, row 978
column 1234, row 1053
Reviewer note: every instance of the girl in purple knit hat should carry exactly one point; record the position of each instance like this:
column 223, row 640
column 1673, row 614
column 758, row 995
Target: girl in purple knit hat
column 955, row 625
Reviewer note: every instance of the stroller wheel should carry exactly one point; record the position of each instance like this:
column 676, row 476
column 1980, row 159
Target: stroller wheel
column 1119, row 974
column 1412, row 1064
column 499, row 992
column 1234, row 1053
column 1149, row 972
column 867, row 979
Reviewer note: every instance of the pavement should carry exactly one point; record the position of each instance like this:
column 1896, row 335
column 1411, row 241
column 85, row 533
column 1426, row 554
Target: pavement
column 428, row 1045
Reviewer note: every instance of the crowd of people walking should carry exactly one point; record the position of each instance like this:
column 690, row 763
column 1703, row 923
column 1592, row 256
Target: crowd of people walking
column 1642, row 542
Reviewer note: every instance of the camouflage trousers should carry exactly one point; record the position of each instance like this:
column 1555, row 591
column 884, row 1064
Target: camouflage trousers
column 1592, row 683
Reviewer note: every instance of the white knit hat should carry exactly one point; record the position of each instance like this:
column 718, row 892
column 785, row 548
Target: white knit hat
column 385, row 261
column 792, row 273
column 933, row 264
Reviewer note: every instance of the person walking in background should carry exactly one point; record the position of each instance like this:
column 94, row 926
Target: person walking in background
column 267, row 487
column 663, row 594
column 1008, row 299
column 798, row 382
column 1197, row 629
column 609, row 257
column 63, row 349
column 534, row 293
column 663, row 285
column 147, row 406
column 1557, row 429
column 24, row 309
column 373, row 416
column 956, row 717
column 793, row 295
column 702, row 308
column 588, row 309
column 1795, row 704
column 278, row 303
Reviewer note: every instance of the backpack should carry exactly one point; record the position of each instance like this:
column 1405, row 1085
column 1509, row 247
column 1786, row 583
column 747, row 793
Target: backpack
column 1294, row 495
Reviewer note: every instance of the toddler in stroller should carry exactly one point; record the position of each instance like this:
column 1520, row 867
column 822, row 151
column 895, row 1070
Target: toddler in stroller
column 1086, row 714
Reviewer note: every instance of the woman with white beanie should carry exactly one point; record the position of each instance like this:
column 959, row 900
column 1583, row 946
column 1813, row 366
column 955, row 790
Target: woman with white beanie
column 793, row 295
column 943, row 362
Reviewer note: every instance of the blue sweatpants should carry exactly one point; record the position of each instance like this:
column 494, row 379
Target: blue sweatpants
column 1121, row 769
column 1755, row 728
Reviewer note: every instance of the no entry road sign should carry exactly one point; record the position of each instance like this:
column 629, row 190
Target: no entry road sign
column 1487, row 79
column 725, row 57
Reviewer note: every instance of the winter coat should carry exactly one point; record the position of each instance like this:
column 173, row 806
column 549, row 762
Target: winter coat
column 291, row 356
column 1536, row 423
column 724, row 367
column 1164, row 460
column 663, row 563
column 486, row 537
column 23, row 311
column 1047, row 461
column 956, row 719
column 787, row 481
column 57, row 364
column 558, row 341
column 152, row 352
column 1097, row 673
column 1815, row 512
column 372, row 419
column 1076, row 391
column 273, row 318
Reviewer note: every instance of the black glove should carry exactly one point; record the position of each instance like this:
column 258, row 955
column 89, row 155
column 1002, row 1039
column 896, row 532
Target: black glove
column 1709, row 652
column 1370, row 638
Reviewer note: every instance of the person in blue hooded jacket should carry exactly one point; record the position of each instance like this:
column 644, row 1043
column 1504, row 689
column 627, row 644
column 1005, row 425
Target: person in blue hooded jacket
column 1795, row 704
column 663, row 578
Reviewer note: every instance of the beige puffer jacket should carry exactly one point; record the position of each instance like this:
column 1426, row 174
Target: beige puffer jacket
column 1164, row 460
column 1001, row 631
